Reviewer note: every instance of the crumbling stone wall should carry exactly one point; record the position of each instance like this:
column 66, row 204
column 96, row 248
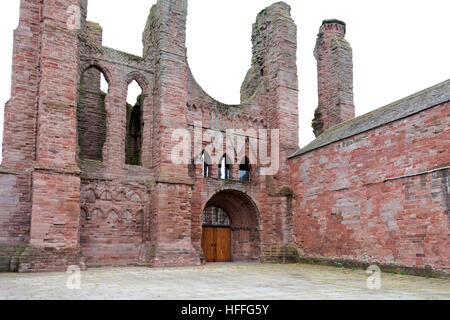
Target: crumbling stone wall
column 335, row 77
column 40, row 124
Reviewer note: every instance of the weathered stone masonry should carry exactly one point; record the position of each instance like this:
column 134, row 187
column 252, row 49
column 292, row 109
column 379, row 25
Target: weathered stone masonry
column 88, row 180
column 375, row 189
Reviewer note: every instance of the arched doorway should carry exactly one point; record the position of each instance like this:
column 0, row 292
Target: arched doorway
column 216, row 235
column 230, row 228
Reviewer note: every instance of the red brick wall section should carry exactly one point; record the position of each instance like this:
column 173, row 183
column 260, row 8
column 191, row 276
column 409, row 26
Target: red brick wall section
column 56, row 207
column 15, row 208
column 347, row 205
column 171, row 211
column 171, row 226
column 91, row 111
column 40, row 135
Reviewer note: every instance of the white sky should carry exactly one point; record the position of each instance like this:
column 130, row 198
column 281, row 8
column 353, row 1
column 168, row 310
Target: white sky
column 399, row 47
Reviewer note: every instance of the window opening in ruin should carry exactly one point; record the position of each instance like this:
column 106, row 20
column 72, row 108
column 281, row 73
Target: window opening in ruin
column 225, row 168
column 206, row 164
column 244, row 170
column 91, row 114
column 133, row 142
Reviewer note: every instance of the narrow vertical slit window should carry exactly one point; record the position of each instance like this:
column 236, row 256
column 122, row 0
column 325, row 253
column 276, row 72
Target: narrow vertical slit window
column 225, row 168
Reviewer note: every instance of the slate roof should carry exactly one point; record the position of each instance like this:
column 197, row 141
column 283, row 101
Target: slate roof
column 403, row 108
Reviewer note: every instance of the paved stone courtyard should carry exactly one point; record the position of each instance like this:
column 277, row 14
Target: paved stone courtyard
column 222, row 281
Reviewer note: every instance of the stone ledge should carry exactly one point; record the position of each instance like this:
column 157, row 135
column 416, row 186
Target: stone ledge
column 427, row 271
column 279, row 254
column 169, row 258
column 14, row 171
column 8, row 256
column 24, row 258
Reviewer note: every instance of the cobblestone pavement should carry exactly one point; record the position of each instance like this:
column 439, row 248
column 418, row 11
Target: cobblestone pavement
column 221, row 281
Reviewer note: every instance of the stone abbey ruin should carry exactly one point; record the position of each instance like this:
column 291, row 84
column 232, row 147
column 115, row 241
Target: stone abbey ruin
column 88, row 180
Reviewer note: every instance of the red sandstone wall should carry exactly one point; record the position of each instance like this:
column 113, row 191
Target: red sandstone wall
column 345, row 207
column 19, row 143
column 113, row 223
column 15, row 208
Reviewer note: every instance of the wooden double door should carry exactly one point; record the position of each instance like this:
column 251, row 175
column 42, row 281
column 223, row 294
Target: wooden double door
column 216, row 244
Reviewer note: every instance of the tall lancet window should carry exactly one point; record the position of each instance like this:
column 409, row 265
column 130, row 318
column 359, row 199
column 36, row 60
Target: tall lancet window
column 133, row 143
column 225, row 168
column 206, row 164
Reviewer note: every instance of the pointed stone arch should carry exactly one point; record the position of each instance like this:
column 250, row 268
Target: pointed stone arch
column 113, row 216
column 97, row 213
column 135, row 119
column 91, row 111
column 100, row 67
column 139, row 78
column 89, row 195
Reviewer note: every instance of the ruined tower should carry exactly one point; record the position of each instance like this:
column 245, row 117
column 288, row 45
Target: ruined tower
column 335, row 77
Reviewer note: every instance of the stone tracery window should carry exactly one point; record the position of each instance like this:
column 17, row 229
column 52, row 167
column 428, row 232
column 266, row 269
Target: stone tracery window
column 215, row 217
